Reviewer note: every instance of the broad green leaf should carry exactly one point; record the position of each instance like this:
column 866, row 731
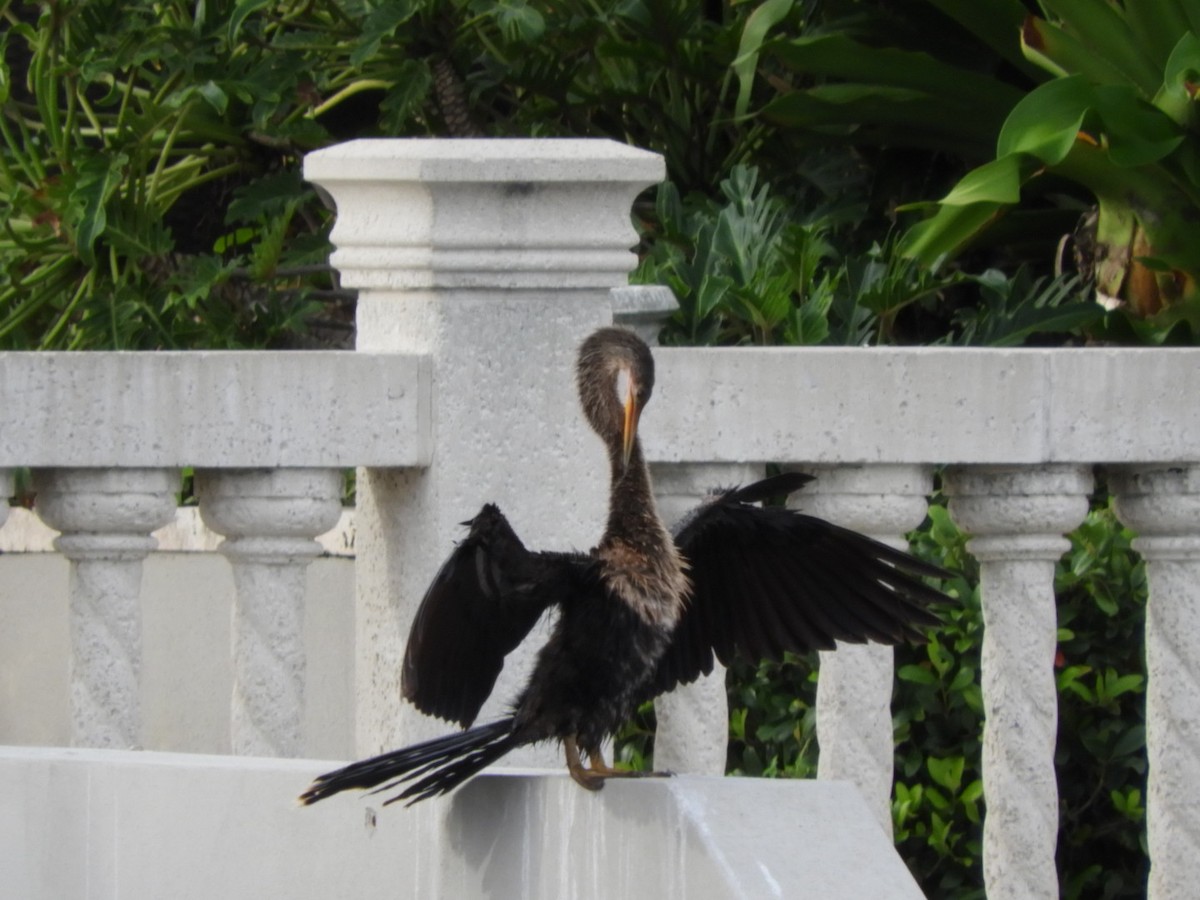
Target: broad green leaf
column 519, row 21
column 270, row 195
column 1156, row 26
column 1101, row 25
column 1061, row 54
column 99, row 179
column 758, row 25
column 916, row 674
column 838, row 56
column 998, row 181
column 214, row 96
column 1132, row 741
column 406, row 98
column 241, row 12
column 1177, row 96
column 972, row 791
column 946, row 772
column 945, row 234
column 1137, row 132
column 1047, row 121
column 380, row 25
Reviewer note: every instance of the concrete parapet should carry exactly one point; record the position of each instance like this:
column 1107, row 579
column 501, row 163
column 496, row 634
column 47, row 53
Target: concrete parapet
column 152, row 825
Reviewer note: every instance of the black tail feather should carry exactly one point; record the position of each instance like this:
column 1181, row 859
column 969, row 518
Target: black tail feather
column 445, row 763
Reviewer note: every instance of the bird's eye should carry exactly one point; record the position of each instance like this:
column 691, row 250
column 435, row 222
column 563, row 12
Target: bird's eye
column 623, row 382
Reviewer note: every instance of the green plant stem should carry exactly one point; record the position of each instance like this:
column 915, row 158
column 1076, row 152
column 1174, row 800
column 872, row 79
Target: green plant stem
column 85, row 285
column 364, row 84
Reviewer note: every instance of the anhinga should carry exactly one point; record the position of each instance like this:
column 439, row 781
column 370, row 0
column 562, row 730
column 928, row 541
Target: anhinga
column 638, row 615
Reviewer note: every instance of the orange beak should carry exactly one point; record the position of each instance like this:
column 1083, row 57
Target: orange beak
column 629, row 435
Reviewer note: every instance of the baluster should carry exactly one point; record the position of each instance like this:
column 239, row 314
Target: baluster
column 854, row 689
column 1018, row 516
column 693, row 720
column 1163, row 505
column 269, row 518
column 643, row 309
column 106, row 517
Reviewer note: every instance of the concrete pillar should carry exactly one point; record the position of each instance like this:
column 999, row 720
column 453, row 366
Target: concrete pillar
column 854, row 688
column 693, row 720
column 495, row 258
column 1018, row 515
column 106, row 517
column 269, row 518
column 1163, row 505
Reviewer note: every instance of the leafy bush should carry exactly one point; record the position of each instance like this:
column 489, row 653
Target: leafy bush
column 1118, row 119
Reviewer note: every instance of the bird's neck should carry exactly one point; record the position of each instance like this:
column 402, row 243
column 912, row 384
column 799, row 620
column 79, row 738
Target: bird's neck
column 632, row 516
column 642, row 565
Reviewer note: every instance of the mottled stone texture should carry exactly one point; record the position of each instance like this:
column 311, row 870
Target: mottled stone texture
column 1018, row 516
column 855, row 682
column 106, row 516
column 270, row 518
column 1163, row 505
column 154, row 825
column 494, row 259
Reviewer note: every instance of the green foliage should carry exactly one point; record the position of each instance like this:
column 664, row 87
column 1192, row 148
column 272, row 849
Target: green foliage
column 149, row 178
column 749, row 268
column 772, row 721
column 1118, row 120
column 1019, row 310
column 1101, row 587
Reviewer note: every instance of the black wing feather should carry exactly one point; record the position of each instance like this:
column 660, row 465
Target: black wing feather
column 767, row 580
column 481, row 604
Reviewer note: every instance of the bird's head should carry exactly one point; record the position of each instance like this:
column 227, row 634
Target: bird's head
column 615, row 378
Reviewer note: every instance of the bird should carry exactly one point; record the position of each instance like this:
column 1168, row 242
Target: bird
column 643, row 611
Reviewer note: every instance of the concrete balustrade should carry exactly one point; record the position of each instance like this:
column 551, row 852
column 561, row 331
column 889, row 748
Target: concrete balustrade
column 1018, row 516
column 481, row 265
column 1163, row 504
column 105, row 517
column 269, row 518
column 854, row 693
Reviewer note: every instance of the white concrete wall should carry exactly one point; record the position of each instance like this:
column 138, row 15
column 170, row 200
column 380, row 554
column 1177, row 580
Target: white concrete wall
column 149, row 826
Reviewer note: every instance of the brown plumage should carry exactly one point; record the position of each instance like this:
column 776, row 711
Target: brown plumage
column 642, row 612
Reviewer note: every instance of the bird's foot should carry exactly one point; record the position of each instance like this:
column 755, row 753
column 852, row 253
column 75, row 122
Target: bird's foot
column 594, row 775
column 583, row 776
column 600, row 767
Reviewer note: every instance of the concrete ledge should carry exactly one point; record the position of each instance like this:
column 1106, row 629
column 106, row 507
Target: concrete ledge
column 79, row 823
column 214, row 408
column 924, row 405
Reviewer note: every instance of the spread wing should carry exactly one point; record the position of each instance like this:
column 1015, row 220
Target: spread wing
column 481, row 604
column 768, row 579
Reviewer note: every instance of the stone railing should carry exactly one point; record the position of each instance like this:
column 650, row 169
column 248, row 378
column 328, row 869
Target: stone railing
column 480, row 266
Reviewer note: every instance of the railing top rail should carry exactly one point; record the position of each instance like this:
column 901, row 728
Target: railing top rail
column 227, row 409
column 925, row 404
column 820, row 405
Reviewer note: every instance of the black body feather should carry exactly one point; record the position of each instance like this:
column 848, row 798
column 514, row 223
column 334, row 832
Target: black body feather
column 641, row 613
